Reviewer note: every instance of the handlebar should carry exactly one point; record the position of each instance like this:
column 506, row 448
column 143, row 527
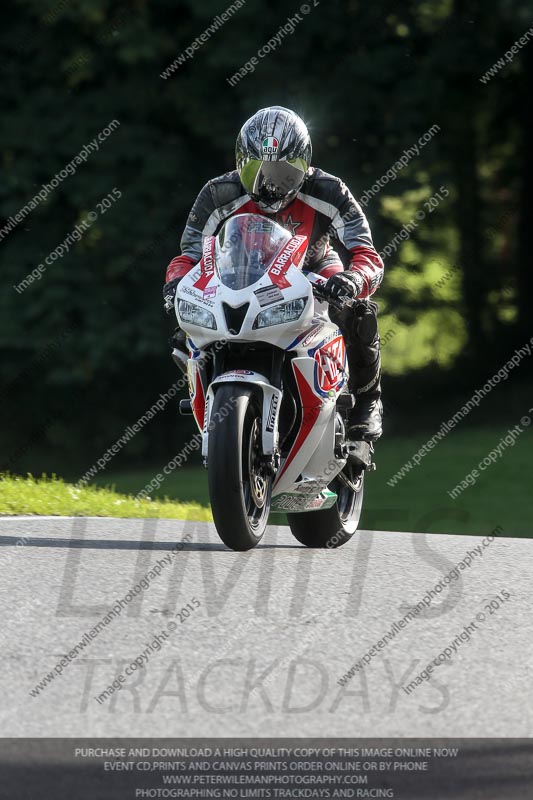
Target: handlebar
column 321, row 293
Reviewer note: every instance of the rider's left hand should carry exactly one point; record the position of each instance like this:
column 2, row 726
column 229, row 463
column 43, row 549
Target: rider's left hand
column 345, row 284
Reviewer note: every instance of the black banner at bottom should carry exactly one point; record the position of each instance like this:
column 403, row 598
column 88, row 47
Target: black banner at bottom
column 328, row 768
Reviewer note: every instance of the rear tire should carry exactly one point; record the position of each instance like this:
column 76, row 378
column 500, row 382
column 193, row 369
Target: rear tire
column 239, row 488
column 334, row 526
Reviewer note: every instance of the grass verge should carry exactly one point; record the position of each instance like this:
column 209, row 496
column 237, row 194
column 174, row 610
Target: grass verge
column 55, row 497
column 418, row 502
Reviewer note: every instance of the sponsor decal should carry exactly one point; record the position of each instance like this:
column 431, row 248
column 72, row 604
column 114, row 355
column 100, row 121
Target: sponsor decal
column 207, row 264
column 259, row 226
column 270, row 146
column 193, row 292
column 310, row 487
column 271, row 419
column 268, row 295
column 290, row 502
column 318, row 502
column 329, row 361
column 236, row 373
column 197, row 296
column 295, row 502
column 308, row 336
column 290, row 255
column 311, row 335
column 210, row 292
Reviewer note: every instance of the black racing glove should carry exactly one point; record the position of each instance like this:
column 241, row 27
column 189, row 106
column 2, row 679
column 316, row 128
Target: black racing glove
column 345, row 284
column 169, row 294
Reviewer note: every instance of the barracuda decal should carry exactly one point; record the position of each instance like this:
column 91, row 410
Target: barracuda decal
column 291, row 255
column 207, row 264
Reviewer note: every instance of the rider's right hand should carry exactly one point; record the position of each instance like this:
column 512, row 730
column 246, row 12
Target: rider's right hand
column 169, row 294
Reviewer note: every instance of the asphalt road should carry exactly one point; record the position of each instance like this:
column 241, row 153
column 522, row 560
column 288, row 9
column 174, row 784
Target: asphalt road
column 266, row 635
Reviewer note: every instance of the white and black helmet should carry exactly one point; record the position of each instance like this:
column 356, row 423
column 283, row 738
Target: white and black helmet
column 273, row 154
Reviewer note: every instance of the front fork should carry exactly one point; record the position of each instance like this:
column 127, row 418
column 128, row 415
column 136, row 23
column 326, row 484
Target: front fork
column 271, row 403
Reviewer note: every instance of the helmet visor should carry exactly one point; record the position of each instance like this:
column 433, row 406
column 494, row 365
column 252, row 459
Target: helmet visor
column 273, row 179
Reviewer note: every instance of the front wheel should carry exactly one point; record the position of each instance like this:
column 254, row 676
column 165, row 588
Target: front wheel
column 239, row 486
column 336, row 525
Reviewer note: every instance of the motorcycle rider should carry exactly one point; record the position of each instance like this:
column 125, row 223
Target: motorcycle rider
column 274, row 177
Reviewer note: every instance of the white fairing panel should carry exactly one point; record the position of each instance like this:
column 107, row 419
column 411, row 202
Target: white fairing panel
column 318, row 365
column 261, row 296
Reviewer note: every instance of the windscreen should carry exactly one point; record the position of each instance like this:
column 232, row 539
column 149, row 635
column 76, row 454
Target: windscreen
column 246, row 247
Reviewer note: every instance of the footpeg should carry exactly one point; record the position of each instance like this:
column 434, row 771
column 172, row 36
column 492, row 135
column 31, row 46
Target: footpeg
column 360, row 454
column 345, row 402
column 185, row 407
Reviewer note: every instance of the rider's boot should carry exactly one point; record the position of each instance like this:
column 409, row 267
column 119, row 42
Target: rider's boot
column 364, row 360
column 365, row 419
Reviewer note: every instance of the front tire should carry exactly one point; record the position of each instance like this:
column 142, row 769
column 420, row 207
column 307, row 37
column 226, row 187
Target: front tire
column 334, row 526
column 239, row 487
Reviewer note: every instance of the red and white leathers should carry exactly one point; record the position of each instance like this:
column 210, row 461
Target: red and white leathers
column 326, row 212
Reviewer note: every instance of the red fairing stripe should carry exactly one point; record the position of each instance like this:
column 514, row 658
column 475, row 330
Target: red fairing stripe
column 179, row 267
column 290, row 256
column 311, row 406
column 367, row 262
column 198, row 404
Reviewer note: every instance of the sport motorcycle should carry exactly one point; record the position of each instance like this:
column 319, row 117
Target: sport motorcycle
column 268, row 386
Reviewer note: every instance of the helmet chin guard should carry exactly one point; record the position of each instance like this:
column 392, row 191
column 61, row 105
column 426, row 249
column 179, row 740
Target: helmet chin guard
column 274, row 206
